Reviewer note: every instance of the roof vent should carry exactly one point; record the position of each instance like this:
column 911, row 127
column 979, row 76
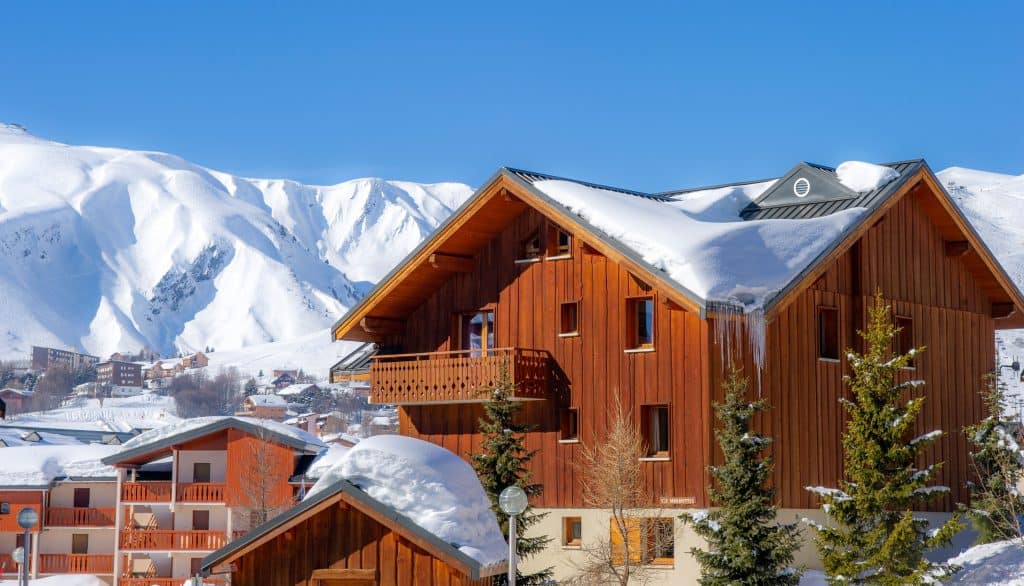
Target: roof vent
column 801, row 187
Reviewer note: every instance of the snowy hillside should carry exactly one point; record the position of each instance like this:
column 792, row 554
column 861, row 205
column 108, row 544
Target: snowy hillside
column 995, row 205
column 110, row 250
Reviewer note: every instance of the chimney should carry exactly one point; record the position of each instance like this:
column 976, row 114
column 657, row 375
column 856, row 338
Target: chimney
column 311, row 424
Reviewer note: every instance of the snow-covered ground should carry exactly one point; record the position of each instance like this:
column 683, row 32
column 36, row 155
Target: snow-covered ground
column 314, row 353
column 115, row 414
column 63, row 580
column 110, row 250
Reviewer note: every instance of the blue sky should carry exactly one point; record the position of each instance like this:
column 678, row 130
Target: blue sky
column 645, row 95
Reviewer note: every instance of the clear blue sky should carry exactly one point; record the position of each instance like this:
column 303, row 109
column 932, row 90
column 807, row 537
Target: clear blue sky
column 644, row 95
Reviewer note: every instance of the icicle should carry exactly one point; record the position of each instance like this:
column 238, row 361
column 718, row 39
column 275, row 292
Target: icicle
column 734, row 325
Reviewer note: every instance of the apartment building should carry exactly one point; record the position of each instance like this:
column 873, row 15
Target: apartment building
column 119, row 374
column 43, row 358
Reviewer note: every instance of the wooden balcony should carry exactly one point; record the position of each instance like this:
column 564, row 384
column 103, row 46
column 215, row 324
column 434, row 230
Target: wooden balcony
column 73, row 563
column 146, row 492
column 79, row 517
column 462, row 376
column 200, row 492
column 171, row 540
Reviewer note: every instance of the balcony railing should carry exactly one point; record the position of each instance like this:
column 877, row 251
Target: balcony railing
column 200, row 492
column 73, row 563
column 462, row 376
column 166, row 581
column 170, row 540
column 146, row 492
column 79, row 517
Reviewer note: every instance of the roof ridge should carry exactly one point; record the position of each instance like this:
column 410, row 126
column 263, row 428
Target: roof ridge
column 533, row 176
column 710, row 187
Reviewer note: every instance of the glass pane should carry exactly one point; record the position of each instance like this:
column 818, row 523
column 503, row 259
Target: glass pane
column 644, row 322
column 474, row 332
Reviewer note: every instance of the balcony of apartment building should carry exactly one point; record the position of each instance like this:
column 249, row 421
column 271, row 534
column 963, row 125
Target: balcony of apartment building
column 162, row 569
column 191, row 477
column 183, row 529
column 78, row 505
column 75, row 563
column 459, row 376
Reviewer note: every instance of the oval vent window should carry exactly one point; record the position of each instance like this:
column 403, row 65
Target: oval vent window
column 801, row 187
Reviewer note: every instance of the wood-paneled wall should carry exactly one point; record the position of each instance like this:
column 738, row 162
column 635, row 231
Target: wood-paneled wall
column 903, row 256
column 594, row 367
column 341, row 537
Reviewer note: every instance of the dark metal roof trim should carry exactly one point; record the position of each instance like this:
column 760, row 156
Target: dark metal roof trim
column 476, row 570
column 212, row 427
column 532, row 177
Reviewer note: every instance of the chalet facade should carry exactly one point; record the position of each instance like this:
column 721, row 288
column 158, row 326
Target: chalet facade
column 546, row 276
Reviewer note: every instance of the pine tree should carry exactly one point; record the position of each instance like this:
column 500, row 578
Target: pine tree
column 873, row 536
column 745, row 545
column 998, row 463
column 502, row 463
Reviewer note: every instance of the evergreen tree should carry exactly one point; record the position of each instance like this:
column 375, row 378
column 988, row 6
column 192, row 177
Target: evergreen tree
column 873, row 536
column 502, row 463
column 996, row 504
column 251, row 388
column 745, row 545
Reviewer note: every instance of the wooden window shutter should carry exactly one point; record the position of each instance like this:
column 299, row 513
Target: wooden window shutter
column 633, row 539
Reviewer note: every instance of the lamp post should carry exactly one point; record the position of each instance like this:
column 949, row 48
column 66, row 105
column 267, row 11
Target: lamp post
column 27, row 519
column 512, row 502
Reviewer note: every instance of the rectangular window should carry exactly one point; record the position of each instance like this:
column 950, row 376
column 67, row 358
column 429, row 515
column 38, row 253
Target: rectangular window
column 529, row 248
column 641, row 323
column 80, row 543
column 195, row 566
column 201, row 472
column 570, row 431
column 905, row 337
column 569, row 324
column 476, row 332
column 200, row 520
column 559, row 242
column 655, row 428
column 572, row 532
column 82, row 498
column 828, row 333
column 648, row 541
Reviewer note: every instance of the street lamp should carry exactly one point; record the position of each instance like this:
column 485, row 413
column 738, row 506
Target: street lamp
column 512, row 502
column 27, row 519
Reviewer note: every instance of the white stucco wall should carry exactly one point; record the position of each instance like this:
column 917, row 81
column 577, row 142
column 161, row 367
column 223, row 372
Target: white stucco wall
column 218, row 460
column 101, row 494
column 59, row 540
column 183, row 517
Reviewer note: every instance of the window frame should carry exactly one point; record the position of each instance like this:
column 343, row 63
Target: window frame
column 569, row 419
column 568, row 540
column 905, row 337
column 633, row 343
column 641, row 529
column 650, row 424
column 824, row 344
column 524, row 254
column 575, row 305
column 555, row 249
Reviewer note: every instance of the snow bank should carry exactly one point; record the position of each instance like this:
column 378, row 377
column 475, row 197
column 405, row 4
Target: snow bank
column 430, row 485
column 62, row 580
column 701, row 243
column 145, row 411
column 863, row 177
column 40, row 465
column 997, row 564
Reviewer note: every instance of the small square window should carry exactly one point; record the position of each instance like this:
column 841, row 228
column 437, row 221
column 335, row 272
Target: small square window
column 641, row 323
column 569, row 324
column 572, row 531
column 828, row 333
column 570, row 426
column 559, row 242
column 905, row 337
column 655, row 428
column 529, row 248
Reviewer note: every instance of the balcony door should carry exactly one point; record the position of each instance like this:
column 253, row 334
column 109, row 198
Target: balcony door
column 201, row 472
column 476, row 332
column 81, row 498
column 200, row 520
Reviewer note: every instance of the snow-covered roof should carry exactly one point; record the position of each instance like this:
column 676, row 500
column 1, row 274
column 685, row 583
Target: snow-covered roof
column 431, row 486
column 380, row 420
column 19, row 436
column 163, row 438
column 266, row 401
column 325, row 461
column 37, row 466
column 296, row 389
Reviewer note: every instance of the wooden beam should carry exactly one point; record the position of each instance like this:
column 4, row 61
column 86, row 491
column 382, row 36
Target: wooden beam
column 507, row 195
column 957, row 247
column 451, row 262
column 1002, row 310
column 381, row 325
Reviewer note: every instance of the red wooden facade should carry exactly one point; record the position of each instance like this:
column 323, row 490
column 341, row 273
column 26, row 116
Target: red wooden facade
column 902, row 252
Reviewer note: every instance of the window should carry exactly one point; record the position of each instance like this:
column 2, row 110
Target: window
column 828, row 333
column 649, row 541
column 201, row 472
column 200, row 520
column 641, row 323
column 572, row 532
column 570, row 431
column 905, row 337
column 655, row 427
column 195, row 566
column 80, row 543
column 569, row 324
column 476, row 332
column 529, row 248
column 81, row 498
column 559, row 243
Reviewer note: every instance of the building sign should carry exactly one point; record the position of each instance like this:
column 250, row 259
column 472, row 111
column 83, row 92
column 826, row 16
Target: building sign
column 678, row 500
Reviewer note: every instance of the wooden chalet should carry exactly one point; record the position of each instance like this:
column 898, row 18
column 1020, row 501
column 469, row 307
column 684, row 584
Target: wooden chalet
column 519, row 277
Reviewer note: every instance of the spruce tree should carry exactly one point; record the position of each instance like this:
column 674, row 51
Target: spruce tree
column 745, row 545
column 998, row 464
column 873, row 536
column 502, row 463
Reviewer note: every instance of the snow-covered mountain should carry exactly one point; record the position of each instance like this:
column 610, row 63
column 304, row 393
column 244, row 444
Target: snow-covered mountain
column 994, row 203
column 108, row 249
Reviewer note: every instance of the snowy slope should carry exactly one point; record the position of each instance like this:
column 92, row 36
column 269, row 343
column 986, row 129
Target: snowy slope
column 108, row 249
column 995, row 205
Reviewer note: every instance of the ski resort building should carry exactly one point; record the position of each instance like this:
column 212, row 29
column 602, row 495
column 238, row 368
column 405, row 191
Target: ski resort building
column 589, row 293
column 119, row 374
column 44, row 358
